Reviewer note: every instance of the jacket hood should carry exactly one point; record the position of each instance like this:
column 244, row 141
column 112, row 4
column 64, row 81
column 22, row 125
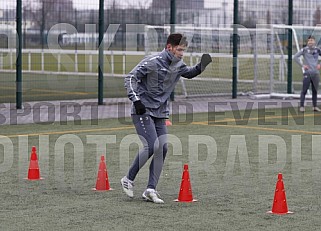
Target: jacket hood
column 171, row 57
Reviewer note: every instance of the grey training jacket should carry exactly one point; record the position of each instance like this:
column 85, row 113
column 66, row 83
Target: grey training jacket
column 153, row 80
column 310, row 56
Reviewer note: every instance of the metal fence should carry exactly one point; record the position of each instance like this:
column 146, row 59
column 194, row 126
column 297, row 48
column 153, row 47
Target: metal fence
column 62, row 58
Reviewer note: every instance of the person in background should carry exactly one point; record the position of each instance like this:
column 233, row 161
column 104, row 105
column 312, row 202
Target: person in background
column 311, row 74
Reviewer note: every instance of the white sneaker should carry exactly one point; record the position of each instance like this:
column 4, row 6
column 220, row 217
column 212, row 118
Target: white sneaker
column 127, row 186
column 302, row 109
column 316, row 109
column 152, row 196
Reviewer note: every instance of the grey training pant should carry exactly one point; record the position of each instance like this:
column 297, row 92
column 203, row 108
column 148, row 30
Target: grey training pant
column 153, row 134
column 307, row 79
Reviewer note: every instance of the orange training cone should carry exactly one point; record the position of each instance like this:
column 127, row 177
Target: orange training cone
column 34, row 172
column 168, row 123
column 102, row 183
column 279, row 203
column 185, row 192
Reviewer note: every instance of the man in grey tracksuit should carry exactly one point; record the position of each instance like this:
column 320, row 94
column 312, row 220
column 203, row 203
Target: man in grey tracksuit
column 149, row 86
column 311, row 71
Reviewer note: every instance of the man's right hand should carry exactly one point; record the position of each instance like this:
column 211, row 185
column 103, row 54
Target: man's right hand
column 139, row 107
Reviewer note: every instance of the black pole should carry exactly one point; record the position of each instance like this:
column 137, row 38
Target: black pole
column 173, row 22
column 235, row 38
column 19, row 57
column 173, row 15
column 290, row 47
column 101, row 54
column 43, row 25
column 76, row 25
column 24, row 28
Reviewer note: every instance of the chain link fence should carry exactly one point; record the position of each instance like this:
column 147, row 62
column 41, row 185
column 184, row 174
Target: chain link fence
column 60, row 46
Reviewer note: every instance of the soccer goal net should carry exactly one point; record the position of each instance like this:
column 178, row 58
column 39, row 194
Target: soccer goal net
column 253, row 58
column 279, row 58
column 262, row 61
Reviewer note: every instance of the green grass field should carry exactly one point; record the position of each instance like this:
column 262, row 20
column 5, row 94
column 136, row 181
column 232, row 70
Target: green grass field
column 38, row 86
column 233, row 173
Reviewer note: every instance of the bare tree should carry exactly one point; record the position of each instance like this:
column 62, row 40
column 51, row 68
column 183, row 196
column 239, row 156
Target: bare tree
column 268, row 17
column 45, row 13
column 39, row 12
column 141, row 7
column 317, row 17
column 250, row 20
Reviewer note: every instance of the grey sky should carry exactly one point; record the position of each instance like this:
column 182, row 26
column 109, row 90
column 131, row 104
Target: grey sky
column 85, row 4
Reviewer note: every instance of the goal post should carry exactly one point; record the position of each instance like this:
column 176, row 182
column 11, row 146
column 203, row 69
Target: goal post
column 253, row 56
column 300, row 34
column 262, row 58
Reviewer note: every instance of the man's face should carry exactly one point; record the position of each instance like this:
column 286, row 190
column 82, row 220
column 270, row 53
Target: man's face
column 311, row 42
column 177, row 51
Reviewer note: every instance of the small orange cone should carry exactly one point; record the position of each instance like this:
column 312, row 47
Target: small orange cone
column 102, row 183
column 279, row 203
column 185, row 192
column 168, row 123
column 34, row 172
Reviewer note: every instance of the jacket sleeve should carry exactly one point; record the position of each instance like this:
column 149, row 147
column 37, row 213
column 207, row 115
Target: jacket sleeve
column 296, row 57
column 190, row 72
column 132, row 80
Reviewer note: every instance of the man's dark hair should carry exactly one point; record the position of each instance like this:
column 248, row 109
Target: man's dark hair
column 177, row 39
column 311, row 37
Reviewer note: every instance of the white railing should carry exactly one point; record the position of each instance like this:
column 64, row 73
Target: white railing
column 7, row 61
column 116, row 63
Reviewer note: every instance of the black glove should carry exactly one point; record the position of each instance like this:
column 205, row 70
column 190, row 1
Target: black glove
column 205, row 60
column 139, row 107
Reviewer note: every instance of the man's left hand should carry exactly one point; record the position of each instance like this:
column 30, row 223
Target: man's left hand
column 205, row 60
